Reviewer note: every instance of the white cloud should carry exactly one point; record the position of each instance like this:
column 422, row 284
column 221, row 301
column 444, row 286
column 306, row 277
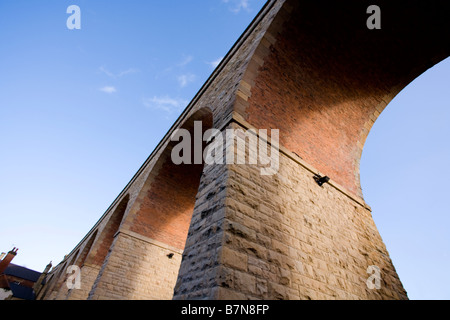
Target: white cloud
column 117, row 75
column 238, row 5
column 165, row 103
column 186, row 61
column 215, row 63
column 185, row 79
column 108, row 89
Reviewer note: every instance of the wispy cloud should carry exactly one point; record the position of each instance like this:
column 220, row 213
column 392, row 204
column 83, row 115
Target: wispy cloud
column 108, row 89
column 167, row 104
column 185, row 79
column 118, row 75
column 238, row 5
column 186, row 61
column 215, row 63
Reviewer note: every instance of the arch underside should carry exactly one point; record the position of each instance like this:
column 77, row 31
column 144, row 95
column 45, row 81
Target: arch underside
column 326, row 77
column 168, row 200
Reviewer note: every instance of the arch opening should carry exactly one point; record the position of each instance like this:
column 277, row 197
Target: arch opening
column 406, row 149
column 171, row 189
column 102, row 245
column 97, row 258
column 87, row 248
column 166, row 206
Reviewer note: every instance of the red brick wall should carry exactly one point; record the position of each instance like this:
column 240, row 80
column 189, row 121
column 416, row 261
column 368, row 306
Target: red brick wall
column 102, row 245
column 84, row 254
column 326, row 79
column 166, row 210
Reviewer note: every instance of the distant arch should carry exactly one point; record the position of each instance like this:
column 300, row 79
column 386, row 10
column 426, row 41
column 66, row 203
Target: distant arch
column 170, row 191
column 164, row 210
column 47, row 286
column 87, row 248
column 103, row 242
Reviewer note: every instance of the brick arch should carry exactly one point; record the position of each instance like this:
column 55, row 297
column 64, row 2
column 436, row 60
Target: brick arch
column 87, row 248
column 169, row 194
column 48, row 281
column 323, row 78
column 63, row 290
column 145, row 258
column 102, row 244
column 54, row 281
column 88, row 272
column 56, row 288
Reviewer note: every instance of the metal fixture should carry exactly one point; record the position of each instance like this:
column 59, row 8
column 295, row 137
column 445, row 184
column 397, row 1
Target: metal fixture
column 321, row 180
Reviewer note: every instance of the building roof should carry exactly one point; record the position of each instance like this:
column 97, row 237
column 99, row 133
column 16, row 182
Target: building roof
column 22, row 272
column 22, row 292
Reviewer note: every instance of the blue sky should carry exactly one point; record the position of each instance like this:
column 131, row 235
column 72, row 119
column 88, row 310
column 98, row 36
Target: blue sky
column 81, row 110
column 404, row 169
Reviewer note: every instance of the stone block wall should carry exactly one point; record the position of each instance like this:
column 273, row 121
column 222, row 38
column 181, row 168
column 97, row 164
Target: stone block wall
column 285, row 237
column 138, row 269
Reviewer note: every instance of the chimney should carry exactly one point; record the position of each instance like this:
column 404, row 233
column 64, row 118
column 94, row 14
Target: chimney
column 7, row 260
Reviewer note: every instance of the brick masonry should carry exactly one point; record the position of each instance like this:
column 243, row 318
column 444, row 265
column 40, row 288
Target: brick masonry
column 323, row 80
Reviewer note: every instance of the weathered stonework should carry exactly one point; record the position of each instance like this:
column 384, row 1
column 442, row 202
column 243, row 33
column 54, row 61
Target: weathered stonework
column 315, row 72
column 138, row 268
column 88, row 275
column 288, row 238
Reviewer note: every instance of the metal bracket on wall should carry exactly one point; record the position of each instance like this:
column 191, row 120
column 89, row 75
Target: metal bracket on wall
column 321, row 180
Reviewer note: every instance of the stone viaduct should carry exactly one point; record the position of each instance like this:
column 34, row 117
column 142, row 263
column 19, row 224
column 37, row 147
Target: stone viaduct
column 316, row 72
